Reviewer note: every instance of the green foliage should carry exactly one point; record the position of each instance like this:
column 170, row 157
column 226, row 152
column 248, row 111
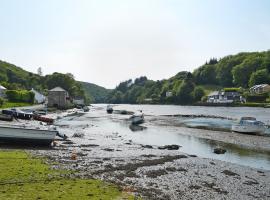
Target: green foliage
column 232, row 89
column 184, row 93
column 1, row 102
column 198, row 93
column 95, row 93
column 20, row 96
column 256, row 98
column 259, row 77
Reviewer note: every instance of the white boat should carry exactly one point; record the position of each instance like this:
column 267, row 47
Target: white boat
column 137, row 118
column 22, row 135
column 248, row 125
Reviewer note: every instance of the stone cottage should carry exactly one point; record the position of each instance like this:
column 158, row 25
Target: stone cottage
column 58, row 97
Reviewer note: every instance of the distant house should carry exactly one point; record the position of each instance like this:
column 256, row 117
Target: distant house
column 169, row 94
column 58, row 97
column 39, row 98
column 259, row 89
column 224, row 97
column 79, row 102
column 2, row 91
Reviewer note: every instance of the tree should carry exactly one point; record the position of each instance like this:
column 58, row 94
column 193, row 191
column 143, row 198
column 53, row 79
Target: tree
column 184, row 93
column 259, row 77
column 39, row 71
column 198, row 93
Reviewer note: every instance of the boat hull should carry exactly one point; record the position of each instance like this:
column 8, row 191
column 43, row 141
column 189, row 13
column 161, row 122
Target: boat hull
column 26, row 136
column 137, row 120
column 248, row 129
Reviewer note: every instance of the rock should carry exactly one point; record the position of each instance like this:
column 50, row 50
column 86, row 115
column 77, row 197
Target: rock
column 68, row 142
column 108, row 149
column 147, row 146
column 89, row 145
column 229, row 173
column 78, row 135
column 219, row 150
column 170, row 147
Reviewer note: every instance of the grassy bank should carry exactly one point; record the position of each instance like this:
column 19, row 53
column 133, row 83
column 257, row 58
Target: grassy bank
column 25, row 177
column 14, row 104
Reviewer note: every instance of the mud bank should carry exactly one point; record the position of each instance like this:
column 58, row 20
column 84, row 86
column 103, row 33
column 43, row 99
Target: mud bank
column 96, row 150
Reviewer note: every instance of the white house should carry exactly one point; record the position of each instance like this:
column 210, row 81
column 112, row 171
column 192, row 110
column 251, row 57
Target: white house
column 78, row 101
column 224, row 97
column 39, row 98
column 259, row 89
column 2, row 91
column 169, row 94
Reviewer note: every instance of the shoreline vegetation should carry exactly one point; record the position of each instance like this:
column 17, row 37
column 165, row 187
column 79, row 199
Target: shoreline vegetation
column 23, row 176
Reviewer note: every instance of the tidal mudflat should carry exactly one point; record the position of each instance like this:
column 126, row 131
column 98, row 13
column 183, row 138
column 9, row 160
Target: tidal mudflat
column 106, row 147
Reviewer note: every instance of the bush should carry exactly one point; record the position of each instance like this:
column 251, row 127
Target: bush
column 1, row 102
column 20, row 96
column 232, row 89
column 257, row 98
column 198, row 93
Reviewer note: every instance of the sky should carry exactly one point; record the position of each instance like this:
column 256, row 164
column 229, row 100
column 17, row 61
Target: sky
column 108, row 41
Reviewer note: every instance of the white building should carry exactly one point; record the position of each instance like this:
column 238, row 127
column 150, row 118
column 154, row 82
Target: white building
column 2, row 91
column 39, row 98
column 169, row 94
column 224, row 97
column 259, row 89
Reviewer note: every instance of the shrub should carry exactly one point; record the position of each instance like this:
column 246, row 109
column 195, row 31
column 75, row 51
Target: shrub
column 20, row 96
column 198, row 93
column 1, row 102
column 232, row 89
column 257, row 98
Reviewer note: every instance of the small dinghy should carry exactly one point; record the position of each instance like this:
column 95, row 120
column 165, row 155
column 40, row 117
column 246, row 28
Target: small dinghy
column 249, row 125
column 109, row 109
column 43, row 119
column 86, row 109
column 137, row 118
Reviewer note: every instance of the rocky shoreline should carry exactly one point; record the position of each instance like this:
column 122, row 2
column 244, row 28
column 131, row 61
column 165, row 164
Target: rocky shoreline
column 153, row 172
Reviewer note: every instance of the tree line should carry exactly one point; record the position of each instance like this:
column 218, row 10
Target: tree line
column 241, row 70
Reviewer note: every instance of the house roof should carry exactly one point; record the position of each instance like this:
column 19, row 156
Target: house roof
column 58, row 89
column 258, row 86
column 2, row 87
column 213, row 93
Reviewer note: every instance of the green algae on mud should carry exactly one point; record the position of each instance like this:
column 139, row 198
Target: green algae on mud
column 25, row 177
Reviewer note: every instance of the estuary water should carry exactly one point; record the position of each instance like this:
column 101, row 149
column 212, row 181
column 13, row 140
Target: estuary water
column 161, row 129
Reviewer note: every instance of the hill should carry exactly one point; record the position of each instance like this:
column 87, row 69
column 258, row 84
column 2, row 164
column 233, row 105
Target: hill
column 240, row 70
column 95, row 93
column 16, row 78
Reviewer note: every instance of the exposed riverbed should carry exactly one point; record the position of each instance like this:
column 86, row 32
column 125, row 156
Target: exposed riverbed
column 107, row 147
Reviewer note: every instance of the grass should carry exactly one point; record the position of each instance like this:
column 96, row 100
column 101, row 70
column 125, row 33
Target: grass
column 14, row 104
column 25, row 177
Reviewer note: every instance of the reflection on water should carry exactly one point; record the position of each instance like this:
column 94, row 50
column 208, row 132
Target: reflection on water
column 209, row 123
column 192, row 145
column 149, row 134
column 136, row 128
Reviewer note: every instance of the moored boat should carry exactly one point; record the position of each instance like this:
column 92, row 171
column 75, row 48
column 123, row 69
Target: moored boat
column 4, row 117
column 17, row 113
column 137, row 118
column 85, row 109
column 27, row 135
column 249, row 125
column 109, row 109
column 43, row 119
